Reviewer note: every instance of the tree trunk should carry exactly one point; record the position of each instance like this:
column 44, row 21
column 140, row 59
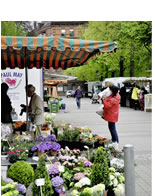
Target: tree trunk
column 121, row 66
column 132, row 65
column 113, row 74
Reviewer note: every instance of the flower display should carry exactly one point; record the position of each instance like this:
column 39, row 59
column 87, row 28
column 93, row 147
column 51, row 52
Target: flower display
column 78, row 176
column 8, row 180
column 88, row 163
column 116, row 181
column 118, row 164
column 119, row 190
column 18, row 155
column 5, row 132
column 84, row 181
column 57, row 181
column 21, row 188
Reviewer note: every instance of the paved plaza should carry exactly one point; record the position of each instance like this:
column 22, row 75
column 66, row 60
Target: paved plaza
column 134, row 127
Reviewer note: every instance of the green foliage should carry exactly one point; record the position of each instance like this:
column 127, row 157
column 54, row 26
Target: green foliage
column 41, row 172
column 100, row 168
column 21, row 172
column 134, row 39
column 9, row 28
column 9, row 190
column 70, row 135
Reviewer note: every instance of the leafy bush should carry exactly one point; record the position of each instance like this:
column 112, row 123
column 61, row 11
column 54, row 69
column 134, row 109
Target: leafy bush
column 100, row 168
column 21, row 172
column 41, row 172
column 70, row 135
column 9, row 189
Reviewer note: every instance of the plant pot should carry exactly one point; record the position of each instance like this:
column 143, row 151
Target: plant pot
column 53, row 152
column 110, row 192
column 40, row 153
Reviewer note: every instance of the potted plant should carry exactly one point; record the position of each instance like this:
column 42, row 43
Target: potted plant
column 46, row 144
column 41, row 172
column 21, row 172
column 17, row 155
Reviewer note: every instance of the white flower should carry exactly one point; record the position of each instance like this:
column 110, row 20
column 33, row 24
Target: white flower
column 61, row 168
column 75, row 193
column 115, row 182
column 99, row 188
column 119, row 190
column 111, row 177
column 82, row 182
column 86, row 147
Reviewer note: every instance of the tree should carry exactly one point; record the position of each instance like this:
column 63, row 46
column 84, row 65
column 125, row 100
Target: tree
column 133, row 56
column 10, row 28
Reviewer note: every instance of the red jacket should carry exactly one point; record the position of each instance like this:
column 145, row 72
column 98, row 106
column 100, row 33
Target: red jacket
column 111, row 108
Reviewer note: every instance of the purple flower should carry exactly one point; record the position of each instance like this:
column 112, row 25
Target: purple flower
column 88, row 164
column 55, row 146
column 58, row 190
column 39, row 138
column 57, row 181
column 53, row 170
column 21, row 188
column 51, row 138
column 8, row 180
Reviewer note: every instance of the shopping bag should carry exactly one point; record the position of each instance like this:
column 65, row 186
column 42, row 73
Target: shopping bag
column 100, row 111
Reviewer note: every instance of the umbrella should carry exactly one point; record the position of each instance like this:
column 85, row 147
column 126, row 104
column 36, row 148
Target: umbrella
column 49, row 52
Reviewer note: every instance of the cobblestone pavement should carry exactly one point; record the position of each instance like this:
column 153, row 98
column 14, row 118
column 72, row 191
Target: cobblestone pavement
column 134, row 127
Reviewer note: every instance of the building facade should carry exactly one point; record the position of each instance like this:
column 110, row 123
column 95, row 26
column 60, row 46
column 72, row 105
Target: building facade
column 66, row 29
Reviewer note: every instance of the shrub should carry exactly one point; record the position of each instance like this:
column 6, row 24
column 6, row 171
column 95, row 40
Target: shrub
column 100, row 168
column 21, row 172
column 41, row 172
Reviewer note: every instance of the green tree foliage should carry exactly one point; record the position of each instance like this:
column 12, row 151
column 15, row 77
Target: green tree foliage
column 132, row 58
column 100, row 168
column 41, row 172
column 10, row 28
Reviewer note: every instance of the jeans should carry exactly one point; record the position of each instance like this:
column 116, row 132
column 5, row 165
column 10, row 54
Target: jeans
column 78, row 102
column 113, row 131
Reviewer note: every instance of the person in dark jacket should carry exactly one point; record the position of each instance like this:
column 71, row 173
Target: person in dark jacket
column 6, row 106
column 78, row 95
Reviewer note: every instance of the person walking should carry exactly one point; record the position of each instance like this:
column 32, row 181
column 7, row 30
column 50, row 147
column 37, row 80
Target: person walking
column 35, row 108
column 111, row 113
column 135, row 97
column 78, row 95
column 6, row 108
column 123, row 96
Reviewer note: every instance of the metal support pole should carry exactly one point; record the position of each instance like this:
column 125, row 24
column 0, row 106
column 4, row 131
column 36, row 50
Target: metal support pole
column 130, row 187
column 26, row 79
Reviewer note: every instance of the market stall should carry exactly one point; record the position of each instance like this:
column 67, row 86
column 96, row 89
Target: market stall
column 68, row 168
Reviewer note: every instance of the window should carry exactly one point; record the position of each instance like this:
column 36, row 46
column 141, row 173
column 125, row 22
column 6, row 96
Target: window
column 63, row 32
column 71, row 32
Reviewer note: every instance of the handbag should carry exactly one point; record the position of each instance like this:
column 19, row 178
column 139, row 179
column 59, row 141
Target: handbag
column 100, row 111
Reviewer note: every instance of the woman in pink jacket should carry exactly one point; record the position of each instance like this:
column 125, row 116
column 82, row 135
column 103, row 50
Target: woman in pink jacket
column 111, row 112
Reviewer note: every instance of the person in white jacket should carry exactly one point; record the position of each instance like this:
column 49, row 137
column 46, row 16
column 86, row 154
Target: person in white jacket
column 35, row 108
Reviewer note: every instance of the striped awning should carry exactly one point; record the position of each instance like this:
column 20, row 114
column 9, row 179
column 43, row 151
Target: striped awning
column 49, row 51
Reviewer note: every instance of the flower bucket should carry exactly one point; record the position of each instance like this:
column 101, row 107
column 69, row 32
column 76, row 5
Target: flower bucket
column 40, row 153
column 53, row 152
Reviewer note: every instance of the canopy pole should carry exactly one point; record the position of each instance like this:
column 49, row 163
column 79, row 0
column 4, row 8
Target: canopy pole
column 26, row 81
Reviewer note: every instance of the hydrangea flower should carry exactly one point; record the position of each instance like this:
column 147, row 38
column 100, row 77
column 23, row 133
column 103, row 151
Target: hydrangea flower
column 53, row 170
column 82, row 182
column 78, row 176
column 119, row 190
column 21, row 188
column 57, row 181
column 88, row 164
column 75, row 193
column 8, row 180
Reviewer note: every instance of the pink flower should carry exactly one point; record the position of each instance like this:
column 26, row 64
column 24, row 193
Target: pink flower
column 78, row 176
column 17, row 154
column 22, row 150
